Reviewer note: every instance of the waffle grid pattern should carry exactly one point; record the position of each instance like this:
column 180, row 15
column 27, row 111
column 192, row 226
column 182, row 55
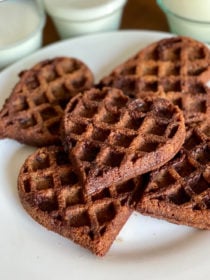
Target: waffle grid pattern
column 87, row 189
column 38, row 101
column 185, row 181
column 49, row 184
column 176, row 69
column 105, row 132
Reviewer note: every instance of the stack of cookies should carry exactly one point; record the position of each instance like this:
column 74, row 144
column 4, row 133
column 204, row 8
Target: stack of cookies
column 137, row 141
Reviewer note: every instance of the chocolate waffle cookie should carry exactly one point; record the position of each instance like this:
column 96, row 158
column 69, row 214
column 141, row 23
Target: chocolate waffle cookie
column 180, row 191
column 176, row 68
column 111, row 138
column 33, row 112
column 51, row 193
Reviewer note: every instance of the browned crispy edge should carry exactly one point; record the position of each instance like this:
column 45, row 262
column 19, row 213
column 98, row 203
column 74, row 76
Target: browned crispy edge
column 99, row 246
column 174, row 213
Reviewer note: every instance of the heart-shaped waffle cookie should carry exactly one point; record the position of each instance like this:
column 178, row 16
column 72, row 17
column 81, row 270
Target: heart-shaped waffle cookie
column 111, row 138
column 180, row 191
column 33, row 112
column 51, row 193
column 176, row 68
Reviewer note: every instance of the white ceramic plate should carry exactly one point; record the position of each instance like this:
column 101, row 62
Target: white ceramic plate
column 146, row 248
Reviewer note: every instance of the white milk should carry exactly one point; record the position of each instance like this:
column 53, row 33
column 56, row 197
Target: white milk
column 79, row 17
column 192, row 9
column 20, row 30
column 188, row 17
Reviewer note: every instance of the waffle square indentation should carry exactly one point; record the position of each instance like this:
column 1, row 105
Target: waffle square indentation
column 198, row 184
column 40, row 99
column 123, row 140
column 68, row 177
column 100, row 134
column 77, row 128
column 105, row 213
column 32, row 82
column 48, row 113
column 74, row 196
column 148, row 147
column 179, row 197
column 20, row 104
column 113, row 159
column 41, row 162
column 43, row 182
column 171, row 85
column 48, row 203
column 164, row 178
column 184, row 168
column 110, row 117
column 27, row 122
column 88, row 152
column 78, row 217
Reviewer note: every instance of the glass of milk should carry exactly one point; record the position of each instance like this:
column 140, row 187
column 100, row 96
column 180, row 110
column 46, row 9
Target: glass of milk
column 80, row 17
column 188, row 17
column 21, row 26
